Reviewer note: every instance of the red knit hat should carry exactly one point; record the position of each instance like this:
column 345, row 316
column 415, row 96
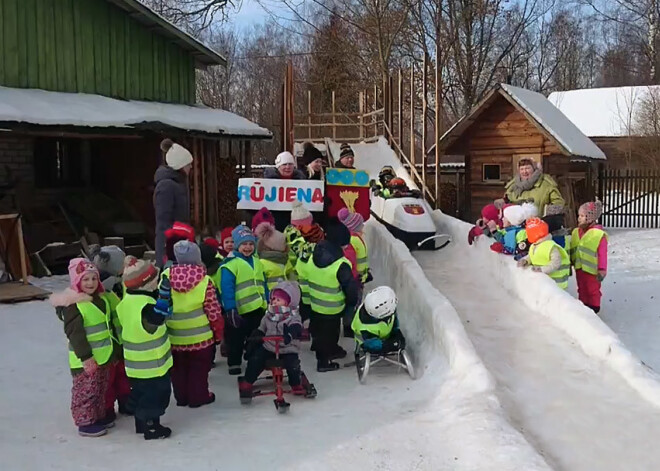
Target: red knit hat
column 225, row 234
column 180, row 230
column 212, row 242
column 139, row 274
column 536, row 229
column 490, row 212
column 263, row 215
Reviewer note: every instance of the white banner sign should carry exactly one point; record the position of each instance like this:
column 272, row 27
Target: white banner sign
column 279, row 195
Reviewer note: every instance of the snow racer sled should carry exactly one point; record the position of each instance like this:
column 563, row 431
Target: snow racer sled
column 409, row 220
column 277, row 376
column 365, row 360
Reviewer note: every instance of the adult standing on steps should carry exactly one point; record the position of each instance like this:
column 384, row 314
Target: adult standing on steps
column 171, row 195
column 346, row 157
column 285, row 169
column 532, row 185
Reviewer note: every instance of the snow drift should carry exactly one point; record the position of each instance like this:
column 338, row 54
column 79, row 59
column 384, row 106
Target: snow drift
column 568, row 314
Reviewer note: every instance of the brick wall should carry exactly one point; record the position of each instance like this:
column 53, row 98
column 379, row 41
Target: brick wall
column 16, row 154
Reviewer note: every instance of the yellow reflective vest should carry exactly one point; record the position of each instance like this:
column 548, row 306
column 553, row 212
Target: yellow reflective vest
column 325, row 292
column 250, row 291
column 539, row 256
column 273, row 272
column 189, row 324
column 584, row 251
column 146, row 355
column 362, row 255
column 97, row 331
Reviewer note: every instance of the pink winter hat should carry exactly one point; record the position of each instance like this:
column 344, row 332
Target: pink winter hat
column 354, row 222
column 78, row 268
column 269, row 238
column 263, row 215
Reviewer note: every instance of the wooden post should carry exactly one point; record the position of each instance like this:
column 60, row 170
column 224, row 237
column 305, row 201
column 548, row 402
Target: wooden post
column 21, row 248
column 309, row 115
column 334, row 122
column 412, row 116
column 361, row 98
column 196, row 179
column 204, row 157
column 438, row 108
column 374, row 118
column 424, row 126
column 400, row 109
column 247, row 148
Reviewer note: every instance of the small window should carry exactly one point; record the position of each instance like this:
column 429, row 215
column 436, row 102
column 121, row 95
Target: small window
column 58, row 163
column 491, row 172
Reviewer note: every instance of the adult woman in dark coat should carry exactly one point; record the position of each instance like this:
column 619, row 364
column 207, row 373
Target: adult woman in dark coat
column 312, row 162
column 171, row 195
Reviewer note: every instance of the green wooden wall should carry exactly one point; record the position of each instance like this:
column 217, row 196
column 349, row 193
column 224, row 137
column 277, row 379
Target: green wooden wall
column 90, row 46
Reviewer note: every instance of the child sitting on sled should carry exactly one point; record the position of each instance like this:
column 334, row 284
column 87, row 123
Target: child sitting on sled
column 391, row 186
column 281, row 319
column 375, row 324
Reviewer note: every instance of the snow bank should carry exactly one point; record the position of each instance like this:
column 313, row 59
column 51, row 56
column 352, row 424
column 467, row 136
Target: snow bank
column 430, row 322
column 543, row 297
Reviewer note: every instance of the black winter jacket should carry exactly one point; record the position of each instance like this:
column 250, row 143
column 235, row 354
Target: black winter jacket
column 325, row 254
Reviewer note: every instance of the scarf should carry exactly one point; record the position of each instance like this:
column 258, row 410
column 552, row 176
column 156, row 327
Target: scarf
column 278, row 314
column 519, row 186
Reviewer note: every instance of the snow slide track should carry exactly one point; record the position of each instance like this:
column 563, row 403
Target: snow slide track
column 562, row 376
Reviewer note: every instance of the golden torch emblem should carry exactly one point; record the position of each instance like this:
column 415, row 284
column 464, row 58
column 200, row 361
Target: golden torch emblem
column 349, row 198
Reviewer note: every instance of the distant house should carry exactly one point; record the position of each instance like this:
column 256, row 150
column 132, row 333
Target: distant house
column 614, row 119
column 88, row 88
column 512, row 123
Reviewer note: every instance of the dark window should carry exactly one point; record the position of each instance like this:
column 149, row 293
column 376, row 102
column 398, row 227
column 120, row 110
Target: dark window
column 58, row 163
column 491, row 172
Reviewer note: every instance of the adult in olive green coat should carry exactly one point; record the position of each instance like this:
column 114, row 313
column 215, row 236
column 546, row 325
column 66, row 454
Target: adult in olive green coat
column 532, row 185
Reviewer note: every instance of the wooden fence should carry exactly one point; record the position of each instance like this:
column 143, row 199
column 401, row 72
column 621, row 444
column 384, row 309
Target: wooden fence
column 631, row 198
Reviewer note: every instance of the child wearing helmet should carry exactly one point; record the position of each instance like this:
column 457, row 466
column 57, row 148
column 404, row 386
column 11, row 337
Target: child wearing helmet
column 375, row 324
column 545, row 255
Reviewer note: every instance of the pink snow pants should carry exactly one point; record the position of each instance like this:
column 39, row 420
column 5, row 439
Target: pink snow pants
column 119, row 389
column 88, row 396
column 588, row 288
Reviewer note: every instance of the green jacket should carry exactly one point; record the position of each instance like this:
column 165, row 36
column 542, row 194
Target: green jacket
column 543, row 193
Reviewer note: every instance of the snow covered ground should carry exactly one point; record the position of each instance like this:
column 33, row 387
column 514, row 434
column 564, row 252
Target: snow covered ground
column 631, row 300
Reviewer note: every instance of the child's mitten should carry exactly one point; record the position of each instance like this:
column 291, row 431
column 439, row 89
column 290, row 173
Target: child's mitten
column 90, row 366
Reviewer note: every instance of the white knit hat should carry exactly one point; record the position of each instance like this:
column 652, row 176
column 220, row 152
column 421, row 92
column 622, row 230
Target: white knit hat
column 516, row 215
column 178, row 157
column 300, row 216
column 284, row 158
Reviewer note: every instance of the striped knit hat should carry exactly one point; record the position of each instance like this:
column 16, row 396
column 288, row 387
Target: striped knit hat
column 140, row 274
column 312, row 233
column 354, row 222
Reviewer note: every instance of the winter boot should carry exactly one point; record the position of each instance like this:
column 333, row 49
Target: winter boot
column 109, row 420
column 210, row 400
column 223, row 350
column 348, row 332
column 338, row 353
column 298, row 390
column 244, row 391
column 305, row 336
column 93, row 430
column 323, row 366
column 139, row 426
column 235, row 370
column 126, row 407
column 154, row 430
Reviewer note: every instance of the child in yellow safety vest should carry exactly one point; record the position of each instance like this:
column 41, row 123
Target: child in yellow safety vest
column 109, row 260
column 545, row 255
column 196, row 324
column 273, row 253
column 589, row 254
column 147, row 350
column 354, row 222
column 84, row 308
column 244, row 294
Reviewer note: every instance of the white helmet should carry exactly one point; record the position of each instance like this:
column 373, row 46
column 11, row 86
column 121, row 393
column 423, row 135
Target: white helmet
column 381, row 302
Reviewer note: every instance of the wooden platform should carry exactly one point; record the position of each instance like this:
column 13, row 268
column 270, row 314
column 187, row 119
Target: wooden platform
column 16, row 292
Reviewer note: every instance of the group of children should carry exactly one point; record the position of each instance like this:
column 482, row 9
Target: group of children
column 135, row 334
column 545, row 246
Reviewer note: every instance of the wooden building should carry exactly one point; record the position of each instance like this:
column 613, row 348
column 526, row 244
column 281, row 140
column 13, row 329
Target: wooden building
column 512, row 123
column 619, row 120
column 88, row 89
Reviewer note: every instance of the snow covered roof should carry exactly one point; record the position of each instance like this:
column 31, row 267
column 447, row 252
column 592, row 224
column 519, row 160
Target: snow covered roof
column 603, row 112
column 152, row 20
column 547, row 118
column 40, row 107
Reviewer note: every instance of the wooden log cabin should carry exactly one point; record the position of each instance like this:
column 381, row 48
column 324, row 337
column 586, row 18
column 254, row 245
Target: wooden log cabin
column 88, row 89
column 513, row 123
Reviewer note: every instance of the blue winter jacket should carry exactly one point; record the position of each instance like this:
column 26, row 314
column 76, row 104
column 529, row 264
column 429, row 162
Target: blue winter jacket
column 228, row 282
column 507, row 237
